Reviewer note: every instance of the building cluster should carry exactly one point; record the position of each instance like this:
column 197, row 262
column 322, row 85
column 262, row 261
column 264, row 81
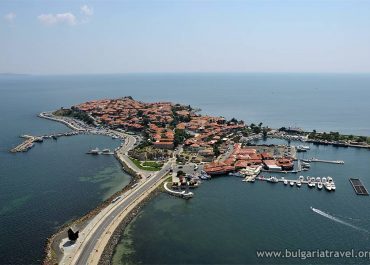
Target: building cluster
column 126, row 113
column 248, row 158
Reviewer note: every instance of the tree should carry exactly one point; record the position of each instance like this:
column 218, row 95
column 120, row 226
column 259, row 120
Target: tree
column 216, row 150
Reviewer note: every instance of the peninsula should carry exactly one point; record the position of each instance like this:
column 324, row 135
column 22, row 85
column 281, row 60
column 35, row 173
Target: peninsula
column 166, row 141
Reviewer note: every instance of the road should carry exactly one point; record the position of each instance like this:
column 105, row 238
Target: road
column 89, row 244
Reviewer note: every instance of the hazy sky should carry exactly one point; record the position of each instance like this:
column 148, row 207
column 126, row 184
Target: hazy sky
column 61, row 37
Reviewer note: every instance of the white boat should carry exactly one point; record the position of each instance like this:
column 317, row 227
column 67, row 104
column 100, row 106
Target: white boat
column 299, row 183
column 330, row 179
column 318, row 179
column 308, row 178
column 311, row 184
column 285, row 182
column 105, row 151
column 273, row 180
column 327, row 186
column 291, row 183
column 333, row 186
column 319, row 185
column 324, row 180
column 301, row 178
column 94, row 151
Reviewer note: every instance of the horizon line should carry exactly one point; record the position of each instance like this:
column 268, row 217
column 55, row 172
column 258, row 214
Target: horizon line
column 180, row 72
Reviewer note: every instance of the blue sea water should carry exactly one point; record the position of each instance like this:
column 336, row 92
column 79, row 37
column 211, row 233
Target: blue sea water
column 55, row 181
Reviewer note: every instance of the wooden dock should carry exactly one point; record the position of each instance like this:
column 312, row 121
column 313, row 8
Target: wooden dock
column 358, row 187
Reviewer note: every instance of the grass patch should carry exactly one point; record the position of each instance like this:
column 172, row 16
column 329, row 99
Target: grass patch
column 148, row 166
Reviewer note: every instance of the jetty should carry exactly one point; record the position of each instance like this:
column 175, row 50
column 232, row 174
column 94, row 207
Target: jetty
column 339, row 162
column 358, row 187
column 311, row 182
column 182, row 194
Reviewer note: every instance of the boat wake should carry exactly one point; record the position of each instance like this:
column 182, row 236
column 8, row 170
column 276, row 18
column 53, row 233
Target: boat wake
column 335, row 219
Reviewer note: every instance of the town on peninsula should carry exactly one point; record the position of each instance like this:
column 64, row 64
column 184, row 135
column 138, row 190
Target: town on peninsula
column 172, row 148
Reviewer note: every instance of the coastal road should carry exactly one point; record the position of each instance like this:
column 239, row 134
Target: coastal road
column 91, row 242
column 89, row 246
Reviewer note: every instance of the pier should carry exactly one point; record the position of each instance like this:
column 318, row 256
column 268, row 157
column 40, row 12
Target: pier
column 358, row 187
column 182, row 194
column 30, row 140
column 339, row 162
column 312, row 183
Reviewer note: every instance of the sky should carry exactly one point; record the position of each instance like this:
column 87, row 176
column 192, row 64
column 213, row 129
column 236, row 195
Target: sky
column 88, row 37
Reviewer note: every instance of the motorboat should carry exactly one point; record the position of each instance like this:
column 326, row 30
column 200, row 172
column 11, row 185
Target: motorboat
column 318, row 179
column 333, row 186
column 324, row 179
column 95, row 151
column 327, row 186
column 291, row 183
column 299, row 183
column 301, row 178
column 285, row 182
column 273, row 180
column 330, row 179
column 319, row 185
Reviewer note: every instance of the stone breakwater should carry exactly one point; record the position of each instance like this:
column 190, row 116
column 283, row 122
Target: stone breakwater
column 107, row 255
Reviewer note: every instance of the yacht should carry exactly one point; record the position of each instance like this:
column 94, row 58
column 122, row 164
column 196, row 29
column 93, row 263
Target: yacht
column 105, row 151
column 273, row 180
column 311, row 184
column 299, row 183
column 95, row 151
column 319, row 185
column 327, row 186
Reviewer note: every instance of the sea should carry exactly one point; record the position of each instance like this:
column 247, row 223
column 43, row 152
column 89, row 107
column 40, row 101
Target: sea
column 228, row 220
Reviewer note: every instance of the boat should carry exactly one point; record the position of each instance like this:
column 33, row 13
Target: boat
column 114, row 137
column 330, row 179
column 236, row 174
column 327, row 186
column 285, row 182
column 302, row 148
column 105, row 151
column 311, row 184
column 318, row 179
column 333, row 186
column 291, row 183
column 319, row 185
column 54, row 137
column 273, row 180
column 301, row 178
column 204, row 176
column 95, row 151
column 299, row 183
column 323, row 179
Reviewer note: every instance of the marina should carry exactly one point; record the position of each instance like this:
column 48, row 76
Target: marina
column 358, row 187
column 312, row 182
